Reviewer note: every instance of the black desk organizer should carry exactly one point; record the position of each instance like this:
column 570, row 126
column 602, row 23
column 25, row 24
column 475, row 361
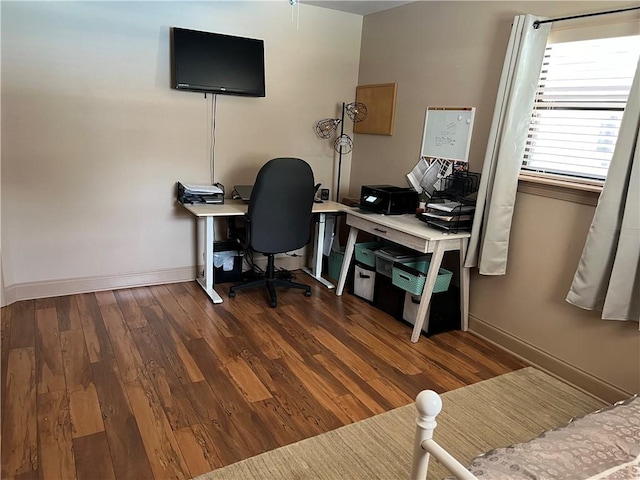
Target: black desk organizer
column 458, row 188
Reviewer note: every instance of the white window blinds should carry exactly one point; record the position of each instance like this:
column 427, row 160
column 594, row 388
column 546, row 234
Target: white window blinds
column 581, row 96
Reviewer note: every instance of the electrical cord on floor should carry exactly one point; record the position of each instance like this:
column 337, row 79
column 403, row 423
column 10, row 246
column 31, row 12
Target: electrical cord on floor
column 249, row 260
column 254, row 269
column 285, row 274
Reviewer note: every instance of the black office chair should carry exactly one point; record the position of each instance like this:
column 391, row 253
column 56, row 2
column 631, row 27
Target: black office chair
column 279, row 218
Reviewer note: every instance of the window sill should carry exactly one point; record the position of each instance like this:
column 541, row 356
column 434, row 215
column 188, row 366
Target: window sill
column 576, row 192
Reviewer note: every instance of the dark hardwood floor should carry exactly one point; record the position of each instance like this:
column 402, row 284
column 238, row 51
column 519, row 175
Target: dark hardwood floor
column 157, row 382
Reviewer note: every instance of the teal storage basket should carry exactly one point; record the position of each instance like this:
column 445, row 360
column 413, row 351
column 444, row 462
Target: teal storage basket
column 335, row 263
column 365, row 252
column 411, row 277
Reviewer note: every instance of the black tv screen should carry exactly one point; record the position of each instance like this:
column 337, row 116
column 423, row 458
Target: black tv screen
column 212, row 62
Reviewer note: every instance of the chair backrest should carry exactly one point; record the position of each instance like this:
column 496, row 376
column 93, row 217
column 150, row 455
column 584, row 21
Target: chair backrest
column 281, row 206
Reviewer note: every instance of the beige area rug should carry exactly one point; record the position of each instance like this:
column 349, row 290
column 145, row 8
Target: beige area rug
column 511, row 408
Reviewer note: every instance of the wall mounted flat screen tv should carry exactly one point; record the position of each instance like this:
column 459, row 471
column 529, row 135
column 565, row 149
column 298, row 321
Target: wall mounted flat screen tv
column 212, row 62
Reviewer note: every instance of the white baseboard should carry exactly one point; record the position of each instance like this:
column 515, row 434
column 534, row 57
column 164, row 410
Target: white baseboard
column 71, row 286
column 9, row 296
column 546, row 362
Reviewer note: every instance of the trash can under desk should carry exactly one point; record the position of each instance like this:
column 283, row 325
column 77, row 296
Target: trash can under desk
column 227, row 254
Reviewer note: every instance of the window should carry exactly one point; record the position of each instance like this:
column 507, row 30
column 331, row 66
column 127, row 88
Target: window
column 578, row 108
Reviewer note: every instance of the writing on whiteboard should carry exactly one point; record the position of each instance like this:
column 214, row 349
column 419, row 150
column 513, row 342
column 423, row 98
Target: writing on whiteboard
column 447, row 133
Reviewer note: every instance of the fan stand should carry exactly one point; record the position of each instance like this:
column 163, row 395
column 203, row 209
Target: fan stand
column 326, row 127
column 340, row 154
column 343, row 144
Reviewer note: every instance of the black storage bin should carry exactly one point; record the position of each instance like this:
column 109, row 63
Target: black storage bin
column 444, row 313
column 387, row 297
column 220, row 275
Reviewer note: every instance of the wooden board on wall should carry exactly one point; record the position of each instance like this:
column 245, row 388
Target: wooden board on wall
column 381, row 108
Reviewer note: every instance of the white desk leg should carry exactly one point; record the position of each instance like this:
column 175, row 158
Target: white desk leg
column 348, row 253
column 316, row 268
column 464, row 285
column 429, row 283
column 207, row 282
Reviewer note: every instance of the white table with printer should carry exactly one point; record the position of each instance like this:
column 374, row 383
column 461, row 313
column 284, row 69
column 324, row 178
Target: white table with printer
column 408, row 231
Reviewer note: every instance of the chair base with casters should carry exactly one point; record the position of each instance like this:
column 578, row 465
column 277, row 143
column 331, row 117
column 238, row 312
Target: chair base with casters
column 271, row 282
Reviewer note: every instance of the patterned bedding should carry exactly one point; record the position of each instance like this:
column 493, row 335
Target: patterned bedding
column 604, row 445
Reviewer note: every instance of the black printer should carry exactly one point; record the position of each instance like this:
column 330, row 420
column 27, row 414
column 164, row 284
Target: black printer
column 388, row 200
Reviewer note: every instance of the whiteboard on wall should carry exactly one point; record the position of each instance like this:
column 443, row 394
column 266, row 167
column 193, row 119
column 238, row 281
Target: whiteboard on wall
column 447, row 133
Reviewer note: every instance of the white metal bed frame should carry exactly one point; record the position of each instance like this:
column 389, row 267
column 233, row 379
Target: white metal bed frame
column 625, row 439
column 429, row 405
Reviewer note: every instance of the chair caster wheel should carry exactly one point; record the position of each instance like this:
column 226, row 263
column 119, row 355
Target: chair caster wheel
column 307, row 293
column 232, row 294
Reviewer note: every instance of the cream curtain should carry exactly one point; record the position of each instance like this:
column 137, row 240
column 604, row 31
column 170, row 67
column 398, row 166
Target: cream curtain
column 489, row 241
column 608, row 275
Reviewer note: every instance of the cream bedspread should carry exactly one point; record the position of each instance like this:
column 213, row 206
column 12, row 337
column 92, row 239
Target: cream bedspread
column 604, row 445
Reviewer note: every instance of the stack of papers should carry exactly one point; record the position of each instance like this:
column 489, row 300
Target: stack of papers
column 426, row 177
column 192, row 189
column 191, row 193
column 451, row 216
column 452, row 207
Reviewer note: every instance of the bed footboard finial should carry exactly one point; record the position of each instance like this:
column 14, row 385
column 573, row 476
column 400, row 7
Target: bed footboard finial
column 429, row 405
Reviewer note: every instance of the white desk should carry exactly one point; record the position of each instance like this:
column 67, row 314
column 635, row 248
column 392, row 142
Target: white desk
column 235, row 208
column 407, row 230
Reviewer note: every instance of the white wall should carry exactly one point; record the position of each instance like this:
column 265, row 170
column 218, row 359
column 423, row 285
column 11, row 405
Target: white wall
column 94, row 138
